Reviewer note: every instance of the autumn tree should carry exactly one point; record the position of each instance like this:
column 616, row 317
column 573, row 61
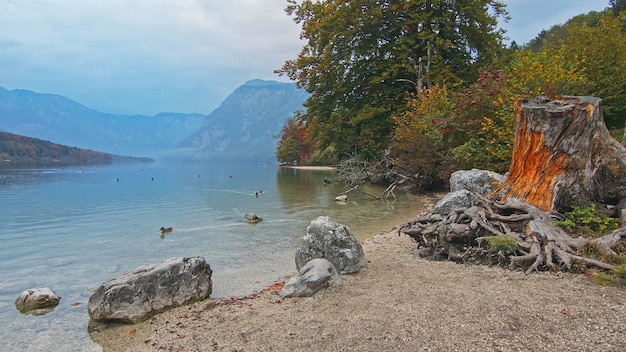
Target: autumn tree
column 591, row 46
column 293, row 145
column 598, row 53
column 361, row 58
column 424, row 136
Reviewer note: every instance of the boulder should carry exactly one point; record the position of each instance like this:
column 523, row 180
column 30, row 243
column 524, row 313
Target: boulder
column 251, row 218
column 455, row 200
column 334, row 242
column 37, row 301
column 476, row 181
column 150, row 289
column 316, row 275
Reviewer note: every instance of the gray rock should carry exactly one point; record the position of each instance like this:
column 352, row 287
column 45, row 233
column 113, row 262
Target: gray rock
column 37, row 301
column 251, row 218
column 151, row 289
column 475, row 181
column 455, row 200
column 334, row 242
column 316, row 275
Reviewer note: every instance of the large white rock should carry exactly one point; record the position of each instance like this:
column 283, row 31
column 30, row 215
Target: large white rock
column 334, row 242
column 150, row 289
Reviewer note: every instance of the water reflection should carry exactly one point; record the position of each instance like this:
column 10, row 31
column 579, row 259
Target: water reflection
column 305, row 191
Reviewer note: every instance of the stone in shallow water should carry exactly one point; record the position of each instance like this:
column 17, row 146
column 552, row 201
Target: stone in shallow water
column 37, row 301
column 151, row 289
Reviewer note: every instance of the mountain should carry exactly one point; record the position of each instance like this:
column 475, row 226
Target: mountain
column 62, row 120
column 241, row 129
column 20, row 150
column 244, row 126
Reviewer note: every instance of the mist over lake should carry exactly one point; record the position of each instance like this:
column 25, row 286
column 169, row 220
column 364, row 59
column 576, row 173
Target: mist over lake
column 72, row 228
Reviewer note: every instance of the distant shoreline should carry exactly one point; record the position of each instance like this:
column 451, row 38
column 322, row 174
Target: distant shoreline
column 324, row 168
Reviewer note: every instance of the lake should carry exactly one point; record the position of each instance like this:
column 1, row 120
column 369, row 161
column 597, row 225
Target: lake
column 73, row 228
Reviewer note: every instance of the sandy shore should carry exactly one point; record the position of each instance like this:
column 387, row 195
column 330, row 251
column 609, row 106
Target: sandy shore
column 401, row 303
column 324, row 168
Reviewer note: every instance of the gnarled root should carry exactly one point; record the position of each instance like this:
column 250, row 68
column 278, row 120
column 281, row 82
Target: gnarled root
column 464, row 236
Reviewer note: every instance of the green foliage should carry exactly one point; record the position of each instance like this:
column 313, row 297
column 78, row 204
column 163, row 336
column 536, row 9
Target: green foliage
column 589, row 46
column 436, row 90
column 588, row 220
column 360, row 58
column 502, row 243
column 598, row 52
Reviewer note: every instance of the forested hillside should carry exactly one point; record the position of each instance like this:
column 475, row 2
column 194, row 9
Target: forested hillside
column 420, row 89
column 20, row 150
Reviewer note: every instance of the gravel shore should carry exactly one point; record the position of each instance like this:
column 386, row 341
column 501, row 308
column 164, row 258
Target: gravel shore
column 398, row 303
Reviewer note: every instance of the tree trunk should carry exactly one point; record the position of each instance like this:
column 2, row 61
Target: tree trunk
column 564, row 155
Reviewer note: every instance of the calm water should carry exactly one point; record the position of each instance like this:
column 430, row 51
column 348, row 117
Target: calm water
column 71, row 229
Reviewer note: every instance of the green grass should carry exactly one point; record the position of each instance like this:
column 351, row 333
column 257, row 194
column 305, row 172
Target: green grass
column 502, row 243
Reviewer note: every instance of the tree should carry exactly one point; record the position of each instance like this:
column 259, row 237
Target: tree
column 592, row 47
column 293, row 145
column 362, row 57
column 424, row 136
column 598, row 53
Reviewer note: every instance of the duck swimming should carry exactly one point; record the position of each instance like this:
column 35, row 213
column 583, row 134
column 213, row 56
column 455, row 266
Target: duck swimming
column 166, row 230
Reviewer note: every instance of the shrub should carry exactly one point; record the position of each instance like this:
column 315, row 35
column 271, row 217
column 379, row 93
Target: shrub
column 588, row 220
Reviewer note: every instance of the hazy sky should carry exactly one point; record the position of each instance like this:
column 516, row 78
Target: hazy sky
column 150, row 56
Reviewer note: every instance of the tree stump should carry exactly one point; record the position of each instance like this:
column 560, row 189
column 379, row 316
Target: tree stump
column 564, row 155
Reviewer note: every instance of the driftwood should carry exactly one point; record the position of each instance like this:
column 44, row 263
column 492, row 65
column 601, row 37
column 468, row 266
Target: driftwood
column 563, row 156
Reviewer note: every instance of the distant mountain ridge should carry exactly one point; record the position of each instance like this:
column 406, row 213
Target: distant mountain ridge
column 61, row 120
column 244, row 126
column 241, row 129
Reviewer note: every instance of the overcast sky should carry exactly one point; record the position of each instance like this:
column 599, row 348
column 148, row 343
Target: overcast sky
column 151, row 56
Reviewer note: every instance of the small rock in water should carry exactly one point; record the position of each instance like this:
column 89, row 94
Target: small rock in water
column 342, row 198
column 37, row 301
column 251, row 218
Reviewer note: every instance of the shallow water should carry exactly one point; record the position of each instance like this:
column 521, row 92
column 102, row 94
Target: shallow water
column 70, row 229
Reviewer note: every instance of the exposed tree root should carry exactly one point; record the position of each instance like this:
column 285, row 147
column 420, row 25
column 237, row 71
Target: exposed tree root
column 465, row 235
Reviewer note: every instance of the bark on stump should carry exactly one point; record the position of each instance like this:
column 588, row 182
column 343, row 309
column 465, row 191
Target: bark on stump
column 564, row 155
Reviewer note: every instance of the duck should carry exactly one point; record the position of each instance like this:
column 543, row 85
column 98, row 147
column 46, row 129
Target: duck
column 166, row 230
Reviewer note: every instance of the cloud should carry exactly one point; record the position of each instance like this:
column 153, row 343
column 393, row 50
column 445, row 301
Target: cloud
column 150, row 56
column 143, row 56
